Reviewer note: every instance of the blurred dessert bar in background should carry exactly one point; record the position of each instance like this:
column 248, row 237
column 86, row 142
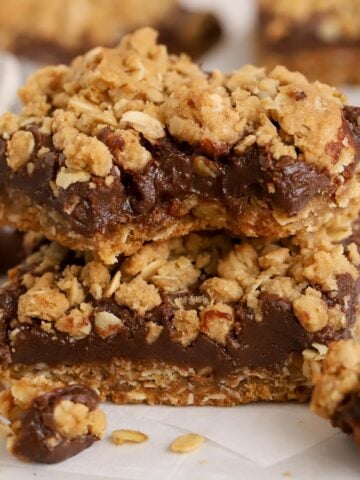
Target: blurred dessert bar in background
column 56, row 31
column 320, row 38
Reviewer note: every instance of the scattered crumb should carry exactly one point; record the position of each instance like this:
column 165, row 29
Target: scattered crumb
column 187, row 443
column 119, row 437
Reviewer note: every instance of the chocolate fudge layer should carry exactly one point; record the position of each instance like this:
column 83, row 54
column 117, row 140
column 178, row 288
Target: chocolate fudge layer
column 337, row 388
column 320, row 38
column 12, row 249
column 50, row 422
column 132, row 144
column 58, row 31
column 204, row 319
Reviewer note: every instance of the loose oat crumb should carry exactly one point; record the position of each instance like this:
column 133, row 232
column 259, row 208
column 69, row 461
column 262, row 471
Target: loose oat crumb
column 119, row 437
column 107, row 324
column 187, row 443
column 19, row 149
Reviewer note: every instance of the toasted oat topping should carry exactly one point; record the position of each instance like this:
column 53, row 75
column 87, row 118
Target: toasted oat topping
column 68, row 22
column 105, row 110
column 339, row 377
column 335, row 19
column 205, row 278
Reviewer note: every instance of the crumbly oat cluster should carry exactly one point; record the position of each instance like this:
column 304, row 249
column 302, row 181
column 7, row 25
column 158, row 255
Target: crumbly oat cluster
column 216, row 274
column 340, row 377
column 141, row 93
column 48, row 421
column 335, row 19
column 70, row 22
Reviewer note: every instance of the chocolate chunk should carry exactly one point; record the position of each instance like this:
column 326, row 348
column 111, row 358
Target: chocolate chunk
column 39, row 438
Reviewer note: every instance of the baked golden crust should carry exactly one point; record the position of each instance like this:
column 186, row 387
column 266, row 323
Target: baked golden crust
column 156, row 383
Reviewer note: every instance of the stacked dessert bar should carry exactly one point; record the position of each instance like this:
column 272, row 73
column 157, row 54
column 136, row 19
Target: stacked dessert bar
column 320, row 38
column 200, row 237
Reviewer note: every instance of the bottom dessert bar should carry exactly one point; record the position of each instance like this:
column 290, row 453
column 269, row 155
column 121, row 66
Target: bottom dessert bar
column 201, row 320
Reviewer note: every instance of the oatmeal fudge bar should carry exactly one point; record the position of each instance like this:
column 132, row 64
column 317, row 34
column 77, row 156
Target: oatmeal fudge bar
column 132, row 144
column 50, row 422
column 337, row 388
column 58, row 30
column 320, row 38
column 200, row 320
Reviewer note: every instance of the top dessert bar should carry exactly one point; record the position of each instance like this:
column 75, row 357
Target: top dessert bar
column 321, row 38
column 131, row 144
column 58, row 30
